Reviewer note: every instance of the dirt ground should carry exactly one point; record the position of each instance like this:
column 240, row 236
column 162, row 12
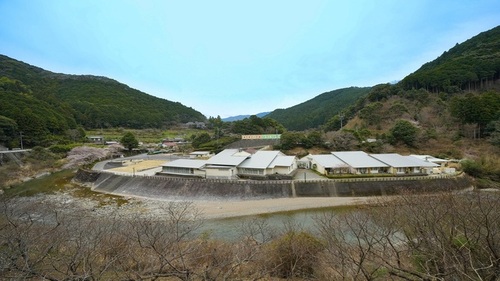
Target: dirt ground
column 131, row 166
column 224, row 209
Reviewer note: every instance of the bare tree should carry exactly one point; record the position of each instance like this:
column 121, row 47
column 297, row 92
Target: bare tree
column 164, row 247
column 445, row 236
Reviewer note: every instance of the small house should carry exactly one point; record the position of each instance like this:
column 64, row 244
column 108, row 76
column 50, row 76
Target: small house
column 96, row 139
column 200, row 154
column 184, row 167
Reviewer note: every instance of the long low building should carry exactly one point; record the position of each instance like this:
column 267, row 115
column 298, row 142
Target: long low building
column 232, row 164
column 185, row 167
column 359, row 162
column 400, row 165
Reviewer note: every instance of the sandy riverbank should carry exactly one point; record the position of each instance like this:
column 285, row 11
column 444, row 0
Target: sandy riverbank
column 223, row 209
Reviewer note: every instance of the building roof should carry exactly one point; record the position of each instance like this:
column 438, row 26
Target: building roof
column 358, row 159
column 328, row 161
column 228, row 157
column 200, row 153
column 429, row 158
column 260, row 160
column 186, row 163
column 399, row 161
column 283, row 161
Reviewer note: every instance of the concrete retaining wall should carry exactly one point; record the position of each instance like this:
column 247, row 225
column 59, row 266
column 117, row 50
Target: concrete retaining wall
column 376, row 188
column 179, row 188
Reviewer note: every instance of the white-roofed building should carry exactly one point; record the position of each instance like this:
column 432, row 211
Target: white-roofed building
column 264, row 163
column 185, row 167
column 400, row 165
column 361, row 162
column 200, row 154
column 284, row 165
column 326, row 164
column 224, row 164
column 432, row 159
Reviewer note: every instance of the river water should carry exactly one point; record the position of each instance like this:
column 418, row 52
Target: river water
column 235, row 228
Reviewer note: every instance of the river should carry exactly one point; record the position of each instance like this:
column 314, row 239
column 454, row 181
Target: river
column 235, row 228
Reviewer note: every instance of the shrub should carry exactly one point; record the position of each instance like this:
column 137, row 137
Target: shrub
column 62, row 148
column 293, row 255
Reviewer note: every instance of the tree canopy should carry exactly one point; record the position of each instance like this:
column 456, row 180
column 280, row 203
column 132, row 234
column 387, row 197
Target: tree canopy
column 471, row 65
column 129, row 141
column 405, row 132
column 45, row 105
column 315, row 112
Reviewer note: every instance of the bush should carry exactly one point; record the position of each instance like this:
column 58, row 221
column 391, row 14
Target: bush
column 472, row 168
column 293, row 255
column 485, row 167
column 62, row 148
column 404, row 131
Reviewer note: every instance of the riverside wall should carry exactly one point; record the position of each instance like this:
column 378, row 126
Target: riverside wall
column 160, row 187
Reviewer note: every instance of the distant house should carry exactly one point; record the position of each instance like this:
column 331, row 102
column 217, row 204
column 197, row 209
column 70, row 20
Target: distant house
column 200, row 154
column 400, row 165
column 173, row 144
column 169, row 145
column 96, row 139
column 361, row 162
column 185, row 167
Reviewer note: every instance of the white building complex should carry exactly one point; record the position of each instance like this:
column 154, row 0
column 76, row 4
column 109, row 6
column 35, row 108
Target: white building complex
column 237, row 163
column 233, row 164
column 359, row 162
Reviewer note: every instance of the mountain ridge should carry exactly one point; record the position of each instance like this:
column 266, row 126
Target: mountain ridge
column 317, row 111
column 241, row 117
column 45, row 105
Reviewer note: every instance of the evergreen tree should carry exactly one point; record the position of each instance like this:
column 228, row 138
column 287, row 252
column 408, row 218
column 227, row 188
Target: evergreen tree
column 129, row 141
column 404, row 132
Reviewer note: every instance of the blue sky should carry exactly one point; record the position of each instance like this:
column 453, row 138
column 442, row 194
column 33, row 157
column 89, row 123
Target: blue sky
column 239, row 57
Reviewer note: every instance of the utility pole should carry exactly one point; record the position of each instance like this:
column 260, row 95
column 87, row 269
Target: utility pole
column 217, row 137
column 21, row 136
column 341, row 119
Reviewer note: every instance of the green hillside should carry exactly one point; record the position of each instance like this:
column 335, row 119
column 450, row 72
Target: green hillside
column 471, row 65
column 39, row 102
column 317, row 111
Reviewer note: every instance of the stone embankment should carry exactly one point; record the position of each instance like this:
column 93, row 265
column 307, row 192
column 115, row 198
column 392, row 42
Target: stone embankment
column 159, row 187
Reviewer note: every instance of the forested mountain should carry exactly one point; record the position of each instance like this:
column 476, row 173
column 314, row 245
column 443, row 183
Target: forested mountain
column 39, row 102
column 317, row 111
column 449, row 107
column 471, row 65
